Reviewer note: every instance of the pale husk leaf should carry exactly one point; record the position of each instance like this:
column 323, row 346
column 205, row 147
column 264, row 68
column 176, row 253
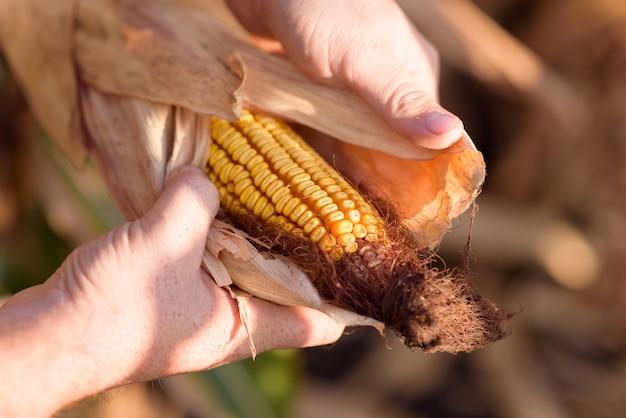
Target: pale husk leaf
column 138, row 144
column 130, row 139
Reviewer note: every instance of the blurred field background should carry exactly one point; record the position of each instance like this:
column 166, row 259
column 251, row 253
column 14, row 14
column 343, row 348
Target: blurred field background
column 541, row 86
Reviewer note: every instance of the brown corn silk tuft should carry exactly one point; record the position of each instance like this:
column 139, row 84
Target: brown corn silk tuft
column 389, row 277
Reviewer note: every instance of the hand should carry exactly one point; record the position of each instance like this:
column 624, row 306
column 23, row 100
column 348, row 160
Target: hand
column 134, row 305
column 367, row 46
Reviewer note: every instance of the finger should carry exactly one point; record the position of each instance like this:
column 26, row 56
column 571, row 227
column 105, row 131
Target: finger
column 296, row 326
column 181, row 217
column 275, row 327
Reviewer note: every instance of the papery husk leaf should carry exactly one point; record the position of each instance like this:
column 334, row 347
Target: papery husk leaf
column 189, row 145
column 243, row 306
column 430, row 194
column 138, row 144
column 36, row 38
column 223, row 238
column 216, row 269
column 290, row 287
column 157, row 52
column 250, row 270
column 129, row 140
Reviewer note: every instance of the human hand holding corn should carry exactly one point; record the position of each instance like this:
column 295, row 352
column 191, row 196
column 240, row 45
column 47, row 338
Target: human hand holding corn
column 135, row 305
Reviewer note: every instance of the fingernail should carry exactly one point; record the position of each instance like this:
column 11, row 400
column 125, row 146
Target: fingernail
column 438, row 123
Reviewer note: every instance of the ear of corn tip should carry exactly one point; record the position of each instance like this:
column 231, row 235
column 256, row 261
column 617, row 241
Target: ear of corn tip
column 261, row 166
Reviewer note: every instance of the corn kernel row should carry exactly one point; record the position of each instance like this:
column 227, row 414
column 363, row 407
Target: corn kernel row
column 262, row 166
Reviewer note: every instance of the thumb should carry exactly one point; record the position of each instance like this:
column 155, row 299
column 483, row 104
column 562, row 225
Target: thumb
column 183, row 213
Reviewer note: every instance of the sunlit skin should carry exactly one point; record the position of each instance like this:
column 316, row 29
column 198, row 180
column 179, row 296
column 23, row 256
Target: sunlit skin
column 134, row 304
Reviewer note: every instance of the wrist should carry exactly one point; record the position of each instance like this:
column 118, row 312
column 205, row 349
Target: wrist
column 46, row 355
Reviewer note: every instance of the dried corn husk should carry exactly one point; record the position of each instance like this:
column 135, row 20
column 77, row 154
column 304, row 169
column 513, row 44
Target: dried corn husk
column 132, row 83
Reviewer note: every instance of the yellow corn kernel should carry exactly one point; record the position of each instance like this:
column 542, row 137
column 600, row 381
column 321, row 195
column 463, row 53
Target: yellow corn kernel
column 317, row 234
column 371, row 229
column 334, row 217
column 331, row 188
column 324, row 201
column 305, row 218
column 368, row 219
column 336, row 253
column 351, row 248
column 265, row 179
column 345, row 239
column 282, row 201
column 328, row 209
column 315, row 194
column 280, row 193
column 298, row 211
column 290, row 205
column 353, row 216
column 301, row 187
column 342, row 227
column 359, row 231
column 308, row 225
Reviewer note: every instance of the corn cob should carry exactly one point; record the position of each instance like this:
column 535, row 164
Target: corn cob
column 262, row 166
column 355, row 257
